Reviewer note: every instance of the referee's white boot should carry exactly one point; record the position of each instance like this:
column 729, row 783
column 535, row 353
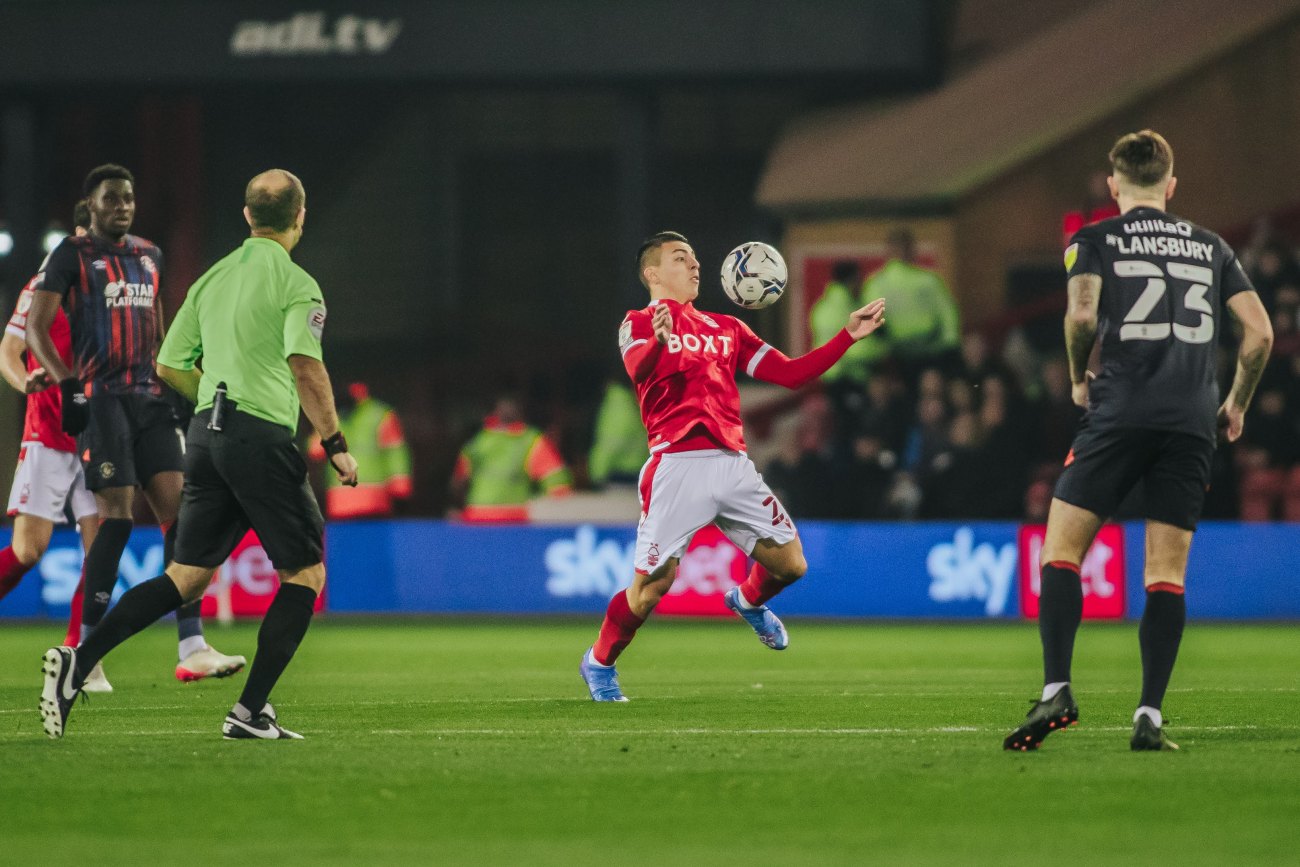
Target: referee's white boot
column 208, row 663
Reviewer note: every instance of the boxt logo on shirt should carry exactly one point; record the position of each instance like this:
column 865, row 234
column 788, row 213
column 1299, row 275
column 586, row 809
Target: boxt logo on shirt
column 709, row 344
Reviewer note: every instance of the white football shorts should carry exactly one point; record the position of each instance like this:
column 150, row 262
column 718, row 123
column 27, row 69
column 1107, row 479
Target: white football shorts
column 46, row 481
column 684, row 491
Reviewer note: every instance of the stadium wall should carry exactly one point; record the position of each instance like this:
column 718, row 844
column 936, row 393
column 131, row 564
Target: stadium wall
column 936, row 571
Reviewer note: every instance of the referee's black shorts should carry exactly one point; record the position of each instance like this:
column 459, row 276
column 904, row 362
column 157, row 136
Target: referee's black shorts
column 1172, row 467
column 250, row 474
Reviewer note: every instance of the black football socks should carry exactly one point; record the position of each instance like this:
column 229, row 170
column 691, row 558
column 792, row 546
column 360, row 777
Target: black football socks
column 1060, row 608
column 1159, row 636
column 101, row 567
column 138, row 607
column 282, row 631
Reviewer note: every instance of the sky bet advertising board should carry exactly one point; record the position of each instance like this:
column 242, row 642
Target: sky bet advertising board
column 975, row 571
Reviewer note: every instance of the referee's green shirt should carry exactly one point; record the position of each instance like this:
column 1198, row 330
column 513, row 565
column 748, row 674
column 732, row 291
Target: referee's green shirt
column 244, row 318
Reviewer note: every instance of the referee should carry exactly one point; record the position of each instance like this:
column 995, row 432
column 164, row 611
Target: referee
column 255, row 320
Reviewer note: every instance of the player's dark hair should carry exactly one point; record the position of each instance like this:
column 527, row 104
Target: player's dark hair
column 650, row 247
column 81, row 215
column 106, row 172
column 274, row 206
column 1143, row 158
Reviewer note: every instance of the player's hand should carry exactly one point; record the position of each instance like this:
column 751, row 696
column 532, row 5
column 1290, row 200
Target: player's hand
column 1079, row 390
column 76, row 406
column 662, row 322
column 1231, row 421
column 37, row 380
column 346, row 466
column 866, row 320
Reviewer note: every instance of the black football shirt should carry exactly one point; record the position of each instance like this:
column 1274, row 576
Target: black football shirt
column 1164, row 284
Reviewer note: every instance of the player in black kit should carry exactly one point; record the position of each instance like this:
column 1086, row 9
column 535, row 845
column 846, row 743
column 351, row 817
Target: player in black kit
column 1153, row 288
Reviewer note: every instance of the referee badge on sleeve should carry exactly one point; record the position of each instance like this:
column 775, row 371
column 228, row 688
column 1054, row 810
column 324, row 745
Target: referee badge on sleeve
column 316, row 321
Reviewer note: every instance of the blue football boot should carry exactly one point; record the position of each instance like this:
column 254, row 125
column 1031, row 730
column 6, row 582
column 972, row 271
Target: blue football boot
column 602, row 680
column 768, row 626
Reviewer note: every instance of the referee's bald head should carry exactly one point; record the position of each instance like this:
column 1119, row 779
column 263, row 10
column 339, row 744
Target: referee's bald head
column 274, row 199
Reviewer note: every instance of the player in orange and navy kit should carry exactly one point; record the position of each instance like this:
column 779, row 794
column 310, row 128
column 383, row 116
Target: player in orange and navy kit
column 683, row 364
column 108, row 284
column 49, row 480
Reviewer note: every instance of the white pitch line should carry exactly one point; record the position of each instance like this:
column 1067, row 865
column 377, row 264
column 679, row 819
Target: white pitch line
column 776, row 731
column 466, row 732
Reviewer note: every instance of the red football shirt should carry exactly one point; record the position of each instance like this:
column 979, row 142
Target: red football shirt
column 693, row 380
column 44, row 422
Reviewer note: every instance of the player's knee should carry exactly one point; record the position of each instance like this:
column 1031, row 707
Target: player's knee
column 191, row 581
column 793, row 568
column 312, row 577
column 29, row 551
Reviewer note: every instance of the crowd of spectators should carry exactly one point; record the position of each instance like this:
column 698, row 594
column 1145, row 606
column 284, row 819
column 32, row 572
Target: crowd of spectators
column 982, row 432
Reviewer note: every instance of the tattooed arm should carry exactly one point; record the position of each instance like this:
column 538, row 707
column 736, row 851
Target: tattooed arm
column 1081, row 331
column 1252, row 356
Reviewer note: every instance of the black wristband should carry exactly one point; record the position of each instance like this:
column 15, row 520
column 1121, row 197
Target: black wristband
column 335, row 445
column 71, row 387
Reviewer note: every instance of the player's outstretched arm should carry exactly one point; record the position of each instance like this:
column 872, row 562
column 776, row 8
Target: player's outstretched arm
column 1252, row 357
column 776, row 368
column 865, row 320
column 317, row 398
column 1081, row 331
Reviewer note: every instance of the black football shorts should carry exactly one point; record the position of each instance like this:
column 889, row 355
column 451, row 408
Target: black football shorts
column 250, row 474
column 129, row 439
column 1173, row 469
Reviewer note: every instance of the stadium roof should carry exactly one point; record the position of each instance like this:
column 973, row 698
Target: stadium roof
column 931, row 150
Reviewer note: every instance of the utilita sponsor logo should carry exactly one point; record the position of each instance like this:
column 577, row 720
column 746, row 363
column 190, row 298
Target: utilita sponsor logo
column 309, row 33
column 962, row 570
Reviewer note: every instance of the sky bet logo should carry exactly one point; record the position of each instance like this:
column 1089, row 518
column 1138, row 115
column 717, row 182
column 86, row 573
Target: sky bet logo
column 122, row 294
column 310, row 33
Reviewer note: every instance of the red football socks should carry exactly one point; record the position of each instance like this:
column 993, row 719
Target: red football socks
column 760, row 586
column 617, row 631
column 12, row 571
column 73, row 638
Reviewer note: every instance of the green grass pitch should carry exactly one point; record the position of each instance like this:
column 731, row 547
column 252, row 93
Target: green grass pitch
column 473, row 742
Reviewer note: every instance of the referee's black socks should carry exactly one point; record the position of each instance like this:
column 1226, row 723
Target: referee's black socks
column 1060, row 608
column 282, row 630
column 1159, row 636
column 138, row 607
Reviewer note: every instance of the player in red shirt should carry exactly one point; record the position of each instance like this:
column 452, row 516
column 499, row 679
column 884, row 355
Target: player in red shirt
column 683, row 364
column 49, row 477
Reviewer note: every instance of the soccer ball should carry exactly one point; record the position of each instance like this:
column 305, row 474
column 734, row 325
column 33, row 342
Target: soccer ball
column 754, row 275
